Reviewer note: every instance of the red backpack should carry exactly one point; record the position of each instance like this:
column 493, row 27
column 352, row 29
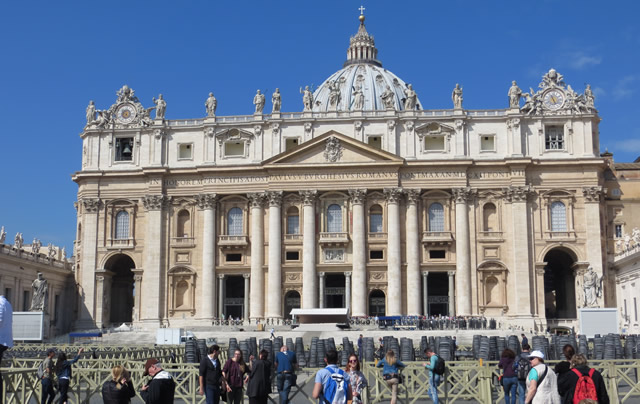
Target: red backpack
column 585, row 387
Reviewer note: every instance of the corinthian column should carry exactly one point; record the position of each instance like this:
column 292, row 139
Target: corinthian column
column 309, row 281
column 347, row 290
column 517, row 196
column 359, row 284
column 394, row 269
column 463, row 252
column 153, row 276
column 86, row 275
column 413, row 254
column 221, row 312
column 207, row 202
column 256, row 308
column 274, row 286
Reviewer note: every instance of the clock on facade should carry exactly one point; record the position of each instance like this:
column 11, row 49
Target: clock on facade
column 126, row 113
column 553, row 99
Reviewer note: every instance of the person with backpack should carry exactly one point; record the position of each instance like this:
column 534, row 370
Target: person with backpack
column 522, row 366
column 542, row 384
column 563, row 369
column 63, row 372
column 583, row 382
column 118, row 390
column 391, row 373
column 509, row 379
column 436, row 368
column 45, row 374
column 331, row 383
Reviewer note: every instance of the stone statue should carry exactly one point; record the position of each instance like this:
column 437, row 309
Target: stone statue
column 456, row 97
column 592, row 287
column 211, row 104
column 18, row 240
column 40, row 292
column 104, row 117
column 514, row 95
column 589, row 97
column 635, row 235
column 64, row 253
column 3, row 235
column 619, row 246
column 412, row 98
column 125, row 94
column 161, row 106
column 51, row 252
column 358, row 98
column 307, row 98
column 276, row 101
column 34, row 246
column 146, row 116
column 91, row 112
column 387, row 98
column 627, row 242
column 334, row 95
column 259, row 101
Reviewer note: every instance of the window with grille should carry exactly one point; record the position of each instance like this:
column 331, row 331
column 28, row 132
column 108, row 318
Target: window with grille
column 234, row 222
column 334, row 219
column 375, row 219
column 436, row 217
column 293, row 221
column 554, row 138
column 618, row 231
column 122, row 225
column 558, row 216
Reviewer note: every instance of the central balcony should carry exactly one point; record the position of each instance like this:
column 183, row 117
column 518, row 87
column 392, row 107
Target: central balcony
column 227, row 241
column 337, row 238
column 437, row 237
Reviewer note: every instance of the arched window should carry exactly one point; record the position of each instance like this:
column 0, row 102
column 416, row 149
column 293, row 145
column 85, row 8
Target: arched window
column 234, row 222
column 375, row 219
column 122, row 225
column 436, row 217
column 334, row 219
column 558, row 216
column 489, row 217
column 293, row 221
column 183, row 224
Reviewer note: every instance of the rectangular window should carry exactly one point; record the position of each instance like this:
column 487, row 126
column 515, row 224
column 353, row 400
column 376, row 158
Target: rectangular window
column 234, row 149
column 554, row 137
column 376, row 254
column 290, row 143
column 26, row 304
column 618, row 231
column 124, row 149
column 375, row 142
column 375, row 222
column 233, row 257
column 292, row 255
column 293, row 224
column 434, row 143
column 437, row 254
column 487, row 143
column 184, row 151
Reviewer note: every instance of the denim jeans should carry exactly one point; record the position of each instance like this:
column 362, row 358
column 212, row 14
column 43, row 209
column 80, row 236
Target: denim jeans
column 284, row 386
column 434, row 382
column 47, row 391
column 64, row 387
column 212, row 393
column 522, row 391
column 510, row 385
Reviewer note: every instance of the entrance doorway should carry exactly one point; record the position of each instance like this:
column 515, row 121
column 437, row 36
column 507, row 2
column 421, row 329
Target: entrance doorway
column 438, row 294
column 559, row 285
column 334, row 291
column 377, row 303
column 122, row 289
column 291, row 301
column 234, row 297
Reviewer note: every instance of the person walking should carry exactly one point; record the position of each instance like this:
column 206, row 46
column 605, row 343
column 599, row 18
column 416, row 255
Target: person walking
column 434, row 378
column 391, row 373
column 522, row 367
column 286, row 364
column 357, row 381
column 259, row 385
column 509, row 379
column 210, row 375
column 235, row 374
column 6, row 332
column 360, row 347
column 47, row 378
column 525, row 340
column 581, row 381
column 331, row 381
column 64, row 373
column 562, row 370
column 161, row 388
column 118, row 390
column 542, row 384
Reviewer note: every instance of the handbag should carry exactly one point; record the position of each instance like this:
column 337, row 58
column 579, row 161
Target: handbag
column 223, row 394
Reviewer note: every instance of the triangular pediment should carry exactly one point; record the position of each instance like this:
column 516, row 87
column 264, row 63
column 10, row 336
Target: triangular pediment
column 333, row 148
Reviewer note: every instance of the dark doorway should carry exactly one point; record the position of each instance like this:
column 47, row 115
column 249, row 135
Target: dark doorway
column 377, row 303
column 334, row 291
column 234, row 297
column 438, row 293
column 291, row 301
column 559, row 285
column 122, row 289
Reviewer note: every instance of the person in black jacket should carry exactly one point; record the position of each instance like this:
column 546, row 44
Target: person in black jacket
column 563, row 369
column 161, row 387
column 259, row 385
column 210, row 372
column 118, row 390
column 568, row 386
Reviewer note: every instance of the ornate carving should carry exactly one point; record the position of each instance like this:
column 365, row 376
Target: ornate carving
column 333, row 149
column 257, row 130
column 513, row 123
column 209, row 132
column 256, row 199
column 463, row 195
column 159, row 133
column 557, row 98
column 451, row 273
column 391, row 125
column 413, row 196
column 459, row 124
column 358, row 196
column 275, row 198
column 347, row 274
column 333, row 255
column 308, row 128
column 90, row 205
column 377, row 276
column 206, row 201
column 516, row 193
column 308, row 196
column 393, row 195
column 293, row 277
column 154, row 202
column 221, row 276
column 409, row 125
column 275, row 128
column 592, row 194
column 320, row 274
column 246, row 276
column 126, row 112
column 357, row 126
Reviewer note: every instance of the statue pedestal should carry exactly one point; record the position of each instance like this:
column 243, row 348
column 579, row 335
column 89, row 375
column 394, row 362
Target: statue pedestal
column 210, row 119
column 275, row 115
column 458, row 111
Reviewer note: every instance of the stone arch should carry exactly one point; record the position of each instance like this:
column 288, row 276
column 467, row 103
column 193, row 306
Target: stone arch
column 559, row 284
column 291, row 301
column 122, row 291
column 575, row 254
column 377, row 303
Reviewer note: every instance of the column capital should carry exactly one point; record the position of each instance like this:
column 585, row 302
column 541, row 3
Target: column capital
column 347, row 274
column 320, row 274
column 593, row 194
column 155, row 202
column 393, row 195
column 137, row 278
column 246, row 276
column 91, row 205
column 308, row 196
column 413, row 196
column 463, row 195
column 256, row 199
column 221, row 276
column 517, row 193
column 274, row 198
column 206, row 201
column 451, row 273
column 425, row 273
column 358, row 196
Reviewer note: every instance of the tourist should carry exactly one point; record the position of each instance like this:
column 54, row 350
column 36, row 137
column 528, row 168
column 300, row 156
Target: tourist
column 331, row 374
column 579, row 368
column 509, row 379
column 286, row 364
column 161, row 388
column 118, row 390
column 63, row 372
column 360, row 347
column 259, row 385
column 357, row 381
column 235, row 373
column 210, row 375
column 525, row 341
column 542, row 384
column 434, row 378
column 522, row 367
column 47, row 377
column 563, row 369
column 391, row 373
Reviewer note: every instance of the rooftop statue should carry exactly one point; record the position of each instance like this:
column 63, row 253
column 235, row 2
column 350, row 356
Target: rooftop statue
column 589, row 97
column 40, row 292
column 307, row 98
column 412, row 97
column 387, row 98
column 161, row 106
column 358, row 98
column 456, row 97
column 514, row 95
column 211, row 104
column 259, row 102
column 3, row 235
column 91, row 113
column 334, row 95
column 126, row 94
column 18, row 241
column 276, row 100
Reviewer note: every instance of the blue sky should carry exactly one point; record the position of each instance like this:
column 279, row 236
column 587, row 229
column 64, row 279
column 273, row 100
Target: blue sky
column 56, row 56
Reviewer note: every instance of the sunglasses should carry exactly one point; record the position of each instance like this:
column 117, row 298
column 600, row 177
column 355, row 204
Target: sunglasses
column 353, row 361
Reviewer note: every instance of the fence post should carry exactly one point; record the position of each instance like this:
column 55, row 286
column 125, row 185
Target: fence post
column 485, row 384
column 613, row 382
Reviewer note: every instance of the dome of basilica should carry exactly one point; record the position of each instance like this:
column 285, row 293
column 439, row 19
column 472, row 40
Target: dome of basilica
column 362, row 82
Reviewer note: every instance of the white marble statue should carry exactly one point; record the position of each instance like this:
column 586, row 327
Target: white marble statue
column 259, row 102
column 592, row 289
column 619, row 246
column 18, row 241
column 104, row 117
column 91, row 112
column 627, row 242
column 411, row 98
column 635, row 236
column 64, row 253
column 211, row 104
column 589, row 97
column 276, row 101
column 34, row 246
column 334, row 95
column 3, row 235
column 387, row 98
column 456, row 97
column 358, row 98
column 514, row 95
column 51, row 252
column 40, row 292
column 161, row 106
column 307, row 98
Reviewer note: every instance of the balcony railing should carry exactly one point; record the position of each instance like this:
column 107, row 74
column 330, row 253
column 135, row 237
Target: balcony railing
column 334, row 238
column 183, row 241
column 233, row 241
column 437, row 237
column 121, row 243
column 377, row 236
column 292, row 238
column 560, row 235
column 490, row 235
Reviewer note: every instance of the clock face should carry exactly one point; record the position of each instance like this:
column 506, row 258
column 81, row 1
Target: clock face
column 126, row 113
column 553, row 99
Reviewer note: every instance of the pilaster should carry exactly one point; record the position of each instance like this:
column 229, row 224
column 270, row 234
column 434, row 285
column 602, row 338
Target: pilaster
column 359, row 286
column 309, row 282
column 257, row 256
column 463, row 250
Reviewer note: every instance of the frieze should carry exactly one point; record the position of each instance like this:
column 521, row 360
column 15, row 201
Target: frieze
column 293, row 277
column 333, row 255
column 206, row 201
column 358, row 196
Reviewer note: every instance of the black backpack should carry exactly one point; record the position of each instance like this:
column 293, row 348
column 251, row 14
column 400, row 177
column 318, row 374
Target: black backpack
column 522, row 367
column 439, row 367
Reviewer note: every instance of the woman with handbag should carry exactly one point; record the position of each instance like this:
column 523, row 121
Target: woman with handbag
column 391, row 373
column 259, row 385
column 357, row 381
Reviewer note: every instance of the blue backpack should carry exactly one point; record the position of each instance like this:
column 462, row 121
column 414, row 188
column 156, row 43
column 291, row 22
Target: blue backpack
column 335, row 392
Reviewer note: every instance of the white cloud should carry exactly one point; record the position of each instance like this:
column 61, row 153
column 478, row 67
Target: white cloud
column 580, row 61
column 624, row 87
column 628, row 145
column 599, row 92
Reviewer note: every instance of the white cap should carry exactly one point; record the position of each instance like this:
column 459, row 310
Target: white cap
column 536, row 354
